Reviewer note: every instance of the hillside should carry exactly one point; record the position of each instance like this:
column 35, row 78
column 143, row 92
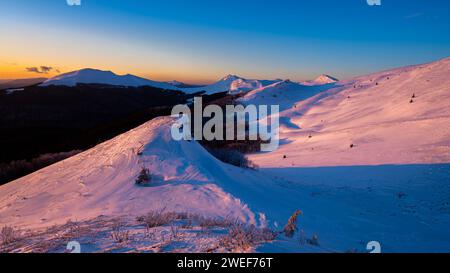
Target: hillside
column 399, row 116
column 39, row 121
column 101, row 181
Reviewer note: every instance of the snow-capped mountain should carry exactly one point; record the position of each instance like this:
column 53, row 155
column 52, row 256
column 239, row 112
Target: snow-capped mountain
column 325, row 79
column 358, row 127
column 321, row 80
column 94, row 76
column 176, row 83
column 231, row 84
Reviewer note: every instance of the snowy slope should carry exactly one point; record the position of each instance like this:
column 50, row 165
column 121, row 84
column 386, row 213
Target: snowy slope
column 393, row 184
column 375, row 114
column 232, row 84
column 101, row 182
column 94, row 76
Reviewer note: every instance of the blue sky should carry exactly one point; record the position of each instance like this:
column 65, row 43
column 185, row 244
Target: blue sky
column 201, row 41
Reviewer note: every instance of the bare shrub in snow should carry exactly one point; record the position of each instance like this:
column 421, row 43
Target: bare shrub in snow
column 291, row 226
column 119, row 232
column 74, row 229
column 233, row 157
column 241, row 237
column 175, row 232
column 8, row 235
column 157, row 218
column 144, row 177
column 183, row 216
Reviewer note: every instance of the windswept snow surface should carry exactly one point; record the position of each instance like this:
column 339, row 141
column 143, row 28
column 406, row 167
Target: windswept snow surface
column 100, row 181
column 94, row 76
column 231, row 84
column 400, row 116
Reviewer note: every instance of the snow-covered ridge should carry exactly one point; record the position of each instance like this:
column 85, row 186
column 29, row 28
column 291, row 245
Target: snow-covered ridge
column 231, row 84
column 398, row 116
column 101, row 181
column 94, row 76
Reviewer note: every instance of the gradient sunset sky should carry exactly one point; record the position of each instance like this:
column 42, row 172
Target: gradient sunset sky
column 201, row 41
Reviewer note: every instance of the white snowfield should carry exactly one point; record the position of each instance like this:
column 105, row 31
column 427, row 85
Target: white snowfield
column 391, row 186
column 95, row 76
column 400, row 116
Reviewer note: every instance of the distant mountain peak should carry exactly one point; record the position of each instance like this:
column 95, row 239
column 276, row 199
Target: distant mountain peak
column 96, row 76
column 231, row 77
column 175, row 82
column 324, row 78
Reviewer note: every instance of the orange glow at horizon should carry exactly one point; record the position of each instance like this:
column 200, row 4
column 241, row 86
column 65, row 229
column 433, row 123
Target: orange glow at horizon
column 11, row 71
